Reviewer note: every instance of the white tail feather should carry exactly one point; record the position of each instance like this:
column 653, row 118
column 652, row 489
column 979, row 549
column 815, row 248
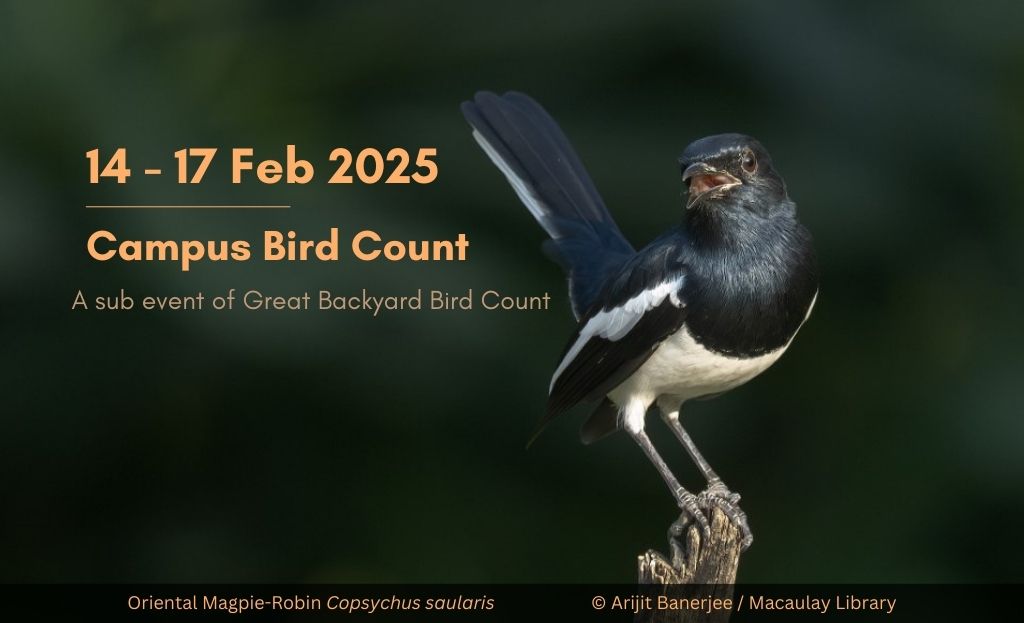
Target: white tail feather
column 525, row 193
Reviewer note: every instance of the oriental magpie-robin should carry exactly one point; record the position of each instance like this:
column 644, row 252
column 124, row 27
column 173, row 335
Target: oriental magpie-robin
column 705, row 307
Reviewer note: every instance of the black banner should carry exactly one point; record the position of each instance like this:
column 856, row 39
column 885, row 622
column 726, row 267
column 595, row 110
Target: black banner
column 504, row 602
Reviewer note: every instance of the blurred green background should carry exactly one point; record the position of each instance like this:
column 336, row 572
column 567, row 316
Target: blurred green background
column 885, row 446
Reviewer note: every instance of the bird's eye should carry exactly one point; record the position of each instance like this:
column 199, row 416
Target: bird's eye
column 749, row 162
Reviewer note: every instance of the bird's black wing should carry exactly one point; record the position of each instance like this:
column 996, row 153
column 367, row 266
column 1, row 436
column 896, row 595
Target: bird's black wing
column 639, row 308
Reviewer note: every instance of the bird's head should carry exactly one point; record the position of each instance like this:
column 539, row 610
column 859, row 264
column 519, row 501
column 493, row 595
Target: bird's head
column 731, row 171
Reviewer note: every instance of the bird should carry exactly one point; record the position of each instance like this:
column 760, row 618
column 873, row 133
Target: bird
column 705, row 307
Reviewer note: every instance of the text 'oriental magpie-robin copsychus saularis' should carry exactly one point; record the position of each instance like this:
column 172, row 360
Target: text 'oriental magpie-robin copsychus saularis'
column 705, row 307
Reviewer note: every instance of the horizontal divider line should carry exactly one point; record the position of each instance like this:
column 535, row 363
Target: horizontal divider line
column 187, row 207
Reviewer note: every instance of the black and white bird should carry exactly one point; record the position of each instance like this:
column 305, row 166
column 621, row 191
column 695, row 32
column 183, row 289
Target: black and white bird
column 704, row 308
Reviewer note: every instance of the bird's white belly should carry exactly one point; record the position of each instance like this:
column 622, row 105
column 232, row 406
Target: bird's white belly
column 683, row 369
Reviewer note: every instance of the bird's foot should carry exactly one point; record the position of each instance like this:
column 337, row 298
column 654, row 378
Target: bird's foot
column 717, row 494
column 690, row 504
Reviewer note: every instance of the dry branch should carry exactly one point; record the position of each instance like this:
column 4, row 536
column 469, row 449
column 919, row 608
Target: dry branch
column 693, row 562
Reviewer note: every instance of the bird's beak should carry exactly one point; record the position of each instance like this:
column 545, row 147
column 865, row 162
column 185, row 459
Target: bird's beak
column 706, row 181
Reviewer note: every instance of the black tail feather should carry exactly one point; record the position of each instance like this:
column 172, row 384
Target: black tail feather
column 532, row 151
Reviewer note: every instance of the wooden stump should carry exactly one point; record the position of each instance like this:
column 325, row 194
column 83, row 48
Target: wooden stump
column 712, row 564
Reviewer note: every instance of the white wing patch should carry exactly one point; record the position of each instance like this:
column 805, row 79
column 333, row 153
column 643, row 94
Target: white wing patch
column 614, row 324
column 530, row 199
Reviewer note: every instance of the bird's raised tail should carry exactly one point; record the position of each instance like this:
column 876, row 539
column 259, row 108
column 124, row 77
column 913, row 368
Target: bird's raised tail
column 527, row 145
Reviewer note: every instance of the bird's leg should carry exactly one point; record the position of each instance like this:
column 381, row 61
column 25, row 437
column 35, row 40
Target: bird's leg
column 633, row 420
column 717, row 493
column 672, row 419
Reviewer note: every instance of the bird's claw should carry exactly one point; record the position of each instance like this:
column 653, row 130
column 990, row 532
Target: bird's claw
column 717, row 494
column 697, row 509
column 691, row 507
